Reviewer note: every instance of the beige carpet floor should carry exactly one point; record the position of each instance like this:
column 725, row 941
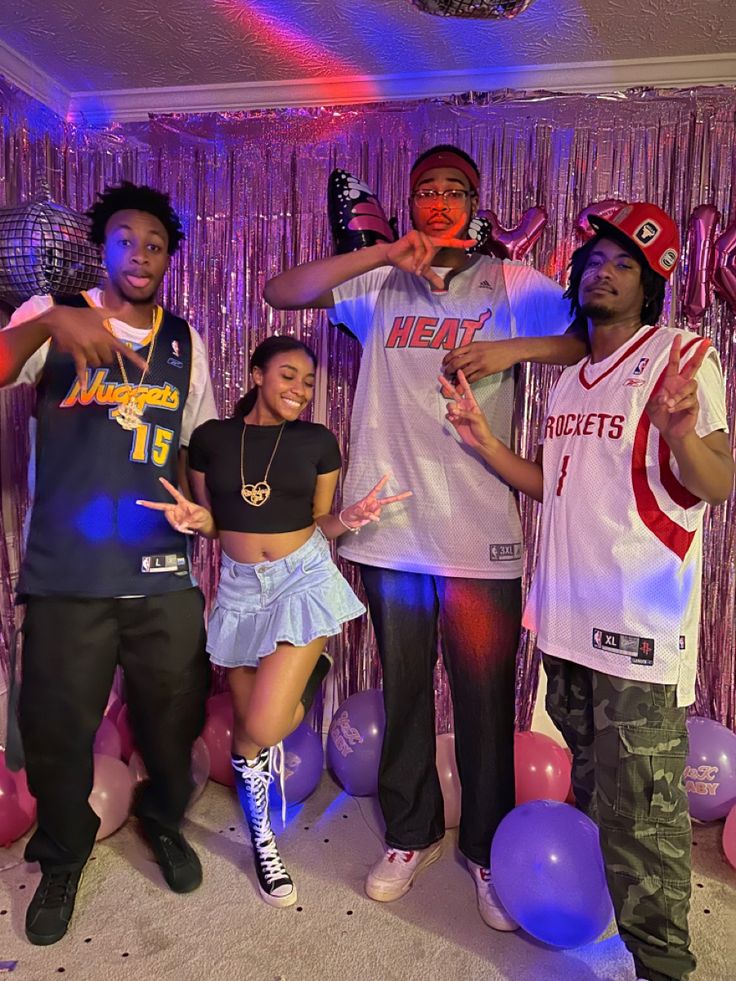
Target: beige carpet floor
column 127, row 925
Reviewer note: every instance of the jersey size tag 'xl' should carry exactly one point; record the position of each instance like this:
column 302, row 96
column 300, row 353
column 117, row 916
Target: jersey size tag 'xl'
column 639, row 649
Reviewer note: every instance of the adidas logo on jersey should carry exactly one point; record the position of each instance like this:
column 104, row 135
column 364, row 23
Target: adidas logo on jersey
column 485, row 285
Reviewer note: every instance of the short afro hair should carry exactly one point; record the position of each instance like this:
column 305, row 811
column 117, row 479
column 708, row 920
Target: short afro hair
column 134, row 197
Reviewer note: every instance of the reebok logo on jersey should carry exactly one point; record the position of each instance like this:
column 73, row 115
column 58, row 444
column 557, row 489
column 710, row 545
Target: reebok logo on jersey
column 431, row 332
column 598, row 424
column 640, row 650
column 505, row 553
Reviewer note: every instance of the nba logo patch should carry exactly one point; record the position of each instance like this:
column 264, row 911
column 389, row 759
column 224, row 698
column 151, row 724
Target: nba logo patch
column 175, row 348
column 647, row 232
column 639, row 370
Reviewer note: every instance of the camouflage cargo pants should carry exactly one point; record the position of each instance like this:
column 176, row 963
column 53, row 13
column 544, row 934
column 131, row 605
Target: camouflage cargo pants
column 629, row 744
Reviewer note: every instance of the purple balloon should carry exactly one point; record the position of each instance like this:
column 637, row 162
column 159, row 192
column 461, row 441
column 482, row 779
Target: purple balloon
column 548, row 871
column 303, row 764
column 355, row 740
column 710, row 771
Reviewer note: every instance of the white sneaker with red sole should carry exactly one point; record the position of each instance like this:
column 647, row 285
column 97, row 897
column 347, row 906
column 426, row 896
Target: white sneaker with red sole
column 490, row 906
column 394, row 873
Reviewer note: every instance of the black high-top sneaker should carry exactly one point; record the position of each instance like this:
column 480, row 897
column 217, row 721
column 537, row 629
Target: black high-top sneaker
column 318, row 675
column 252, row 779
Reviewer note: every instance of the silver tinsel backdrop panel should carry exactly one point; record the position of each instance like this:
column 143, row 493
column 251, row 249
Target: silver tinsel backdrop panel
column 251, row 190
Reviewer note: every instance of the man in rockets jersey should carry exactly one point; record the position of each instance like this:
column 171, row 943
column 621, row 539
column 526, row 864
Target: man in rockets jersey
column 634, row 450
column 120, row 383
column 452, row 557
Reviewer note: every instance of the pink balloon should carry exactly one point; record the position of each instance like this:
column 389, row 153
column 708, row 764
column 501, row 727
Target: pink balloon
column 514, row 243
column 724, row 273
column 107, row 740
column 729, row 836
column 217, row 735
column 200, row 768
column 112, row 794
column 606, row 209
column 114, row 707
column 449, row 779
column 127, row 745
column 701, row 261
column 26, row 799
column 14, row 822
column 542, row 768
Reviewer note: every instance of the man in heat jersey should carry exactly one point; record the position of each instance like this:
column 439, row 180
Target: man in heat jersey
column 452, row 554
column 634, row 449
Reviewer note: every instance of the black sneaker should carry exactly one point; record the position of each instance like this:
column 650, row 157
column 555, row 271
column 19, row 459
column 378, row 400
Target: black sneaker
column 176, row 857
column 50, row 910
column 318, row 675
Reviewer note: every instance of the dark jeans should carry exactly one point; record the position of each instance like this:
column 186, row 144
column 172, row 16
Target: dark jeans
column 629, row 746
column 479, row 621
column 70, row 651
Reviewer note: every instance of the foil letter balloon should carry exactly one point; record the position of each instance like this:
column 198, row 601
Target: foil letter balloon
column 356, row 217
column 701, row 260
column 606, row 209
column 44, row 249
column 514, row 243
column 724, row 273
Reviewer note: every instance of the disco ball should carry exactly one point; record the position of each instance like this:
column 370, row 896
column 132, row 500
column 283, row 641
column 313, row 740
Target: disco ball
column 480, row 9
column 44, row 249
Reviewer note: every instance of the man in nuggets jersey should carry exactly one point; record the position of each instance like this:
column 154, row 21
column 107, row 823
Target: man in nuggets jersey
column 120, row 385
column 634, row 450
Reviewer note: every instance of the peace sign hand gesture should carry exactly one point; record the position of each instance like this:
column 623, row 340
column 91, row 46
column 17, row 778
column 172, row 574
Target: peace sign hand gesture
column 183, row 516
column 369, row 507
column 464, row 412
column 673, row 408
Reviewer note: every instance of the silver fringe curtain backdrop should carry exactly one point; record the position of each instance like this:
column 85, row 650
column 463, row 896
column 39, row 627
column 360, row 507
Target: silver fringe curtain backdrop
column 251, row 191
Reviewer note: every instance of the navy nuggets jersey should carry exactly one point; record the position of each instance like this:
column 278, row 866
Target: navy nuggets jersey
column 617, row 585
column 87, row 536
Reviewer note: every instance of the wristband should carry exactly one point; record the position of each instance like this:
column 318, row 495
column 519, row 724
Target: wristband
column 344, row 523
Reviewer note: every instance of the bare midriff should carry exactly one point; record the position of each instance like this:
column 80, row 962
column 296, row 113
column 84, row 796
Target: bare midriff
column 243, row 546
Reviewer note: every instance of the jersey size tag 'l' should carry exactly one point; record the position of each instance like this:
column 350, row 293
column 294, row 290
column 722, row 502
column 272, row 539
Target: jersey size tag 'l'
column 171, row 562
column 639, row 649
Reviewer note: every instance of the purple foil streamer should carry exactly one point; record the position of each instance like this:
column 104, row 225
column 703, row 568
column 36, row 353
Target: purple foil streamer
column 251, row 191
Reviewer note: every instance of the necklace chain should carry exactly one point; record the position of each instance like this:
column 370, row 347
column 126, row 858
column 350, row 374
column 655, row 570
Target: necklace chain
column 129, row 414
column 256, row 494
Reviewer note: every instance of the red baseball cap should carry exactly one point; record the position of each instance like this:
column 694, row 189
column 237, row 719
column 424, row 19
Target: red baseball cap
column 649, row 229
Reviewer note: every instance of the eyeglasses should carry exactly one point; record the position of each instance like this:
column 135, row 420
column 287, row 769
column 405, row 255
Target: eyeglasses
column 426, row 198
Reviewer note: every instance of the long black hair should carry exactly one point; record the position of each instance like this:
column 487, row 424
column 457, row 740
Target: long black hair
column 266, row 350
column 134, row 197
column 652, row 283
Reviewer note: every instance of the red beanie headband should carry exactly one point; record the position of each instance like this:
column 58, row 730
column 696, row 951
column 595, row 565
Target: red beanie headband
column 444, row 158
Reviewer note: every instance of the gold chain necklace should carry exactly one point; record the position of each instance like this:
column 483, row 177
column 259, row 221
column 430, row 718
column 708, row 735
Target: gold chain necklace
column 129, row 414
column 256, row 494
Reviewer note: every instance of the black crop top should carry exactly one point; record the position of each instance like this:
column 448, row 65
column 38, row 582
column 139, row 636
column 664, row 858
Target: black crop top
column 306, row 450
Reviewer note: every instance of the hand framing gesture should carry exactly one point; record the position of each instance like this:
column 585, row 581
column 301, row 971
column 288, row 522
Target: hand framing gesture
column 369, row 508
column 184, row 515
column 415, row 251
column 673, row 408
column 464, row 412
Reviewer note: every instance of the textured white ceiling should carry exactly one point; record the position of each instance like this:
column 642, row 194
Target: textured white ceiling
column 95, row 45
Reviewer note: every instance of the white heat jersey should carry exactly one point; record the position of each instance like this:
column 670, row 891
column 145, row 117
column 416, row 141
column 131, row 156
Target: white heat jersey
column 462, row 520
column 617, row 584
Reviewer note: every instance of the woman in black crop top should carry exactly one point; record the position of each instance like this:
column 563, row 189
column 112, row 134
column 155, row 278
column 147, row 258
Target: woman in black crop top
column 264, row 482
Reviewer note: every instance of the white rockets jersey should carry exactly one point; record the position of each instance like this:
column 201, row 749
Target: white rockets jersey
column 462, row 520
column 617, row 584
